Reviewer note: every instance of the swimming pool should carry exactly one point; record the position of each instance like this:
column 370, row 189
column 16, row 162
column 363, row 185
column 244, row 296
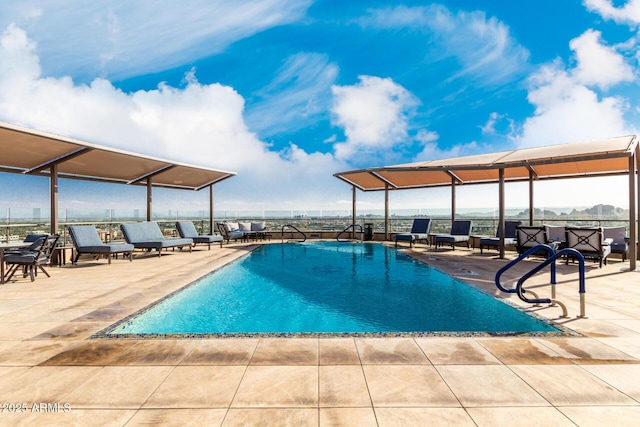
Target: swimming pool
column 329, row 288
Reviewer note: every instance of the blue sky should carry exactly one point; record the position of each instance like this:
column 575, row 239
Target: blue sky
column 286, row 93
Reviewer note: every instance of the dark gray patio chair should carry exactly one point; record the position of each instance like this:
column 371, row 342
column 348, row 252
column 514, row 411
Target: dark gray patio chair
column 419, row 231
column 30, row 262
column 460, row 233
column 188, row 229
column 86, row 240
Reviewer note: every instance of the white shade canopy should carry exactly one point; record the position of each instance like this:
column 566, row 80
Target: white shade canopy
column 602, row 157
column 591, row 158
column 29, row 151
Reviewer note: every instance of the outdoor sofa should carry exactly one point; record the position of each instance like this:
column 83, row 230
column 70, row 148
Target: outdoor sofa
column 186, row 229
column 147, row 235
column 243, row 230
column 86, row 240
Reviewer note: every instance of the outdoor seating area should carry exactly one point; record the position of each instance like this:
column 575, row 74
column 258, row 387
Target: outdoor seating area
column 148, row 236
column 243, row 231
column 595, row 243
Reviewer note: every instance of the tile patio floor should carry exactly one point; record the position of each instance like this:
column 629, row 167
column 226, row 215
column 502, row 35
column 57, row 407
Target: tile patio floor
column 47, row 358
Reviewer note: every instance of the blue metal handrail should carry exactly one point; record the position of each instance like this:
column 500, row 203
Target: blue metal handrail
column 346, row 229
column 295, row 228
column 526, row 254
column 550, row 260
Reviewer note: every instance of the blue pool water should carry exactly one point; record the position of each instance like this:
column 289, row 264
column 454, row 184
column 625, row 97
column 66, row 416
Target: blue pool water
column 329, row 287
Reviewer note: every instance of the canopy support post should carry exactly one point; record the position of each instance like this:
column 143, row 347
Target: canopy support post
column 501, row 210
column 386, row 212
column 149, row 199
column 633, row 246
column 53, row 182
column 353, row 210
column 453, row 200
column 211, row 219
column 530, row 198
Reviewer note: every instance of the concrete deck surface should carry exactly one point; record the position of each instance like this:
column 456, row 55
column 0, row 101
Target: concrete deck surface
column 51, row 373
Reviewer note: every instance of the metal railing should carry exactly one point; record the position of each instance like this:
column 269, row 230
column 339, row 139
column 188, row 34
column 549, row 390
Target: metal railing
column 349, row 228
column 550, row 260
column 17, row 228
column 304, row 236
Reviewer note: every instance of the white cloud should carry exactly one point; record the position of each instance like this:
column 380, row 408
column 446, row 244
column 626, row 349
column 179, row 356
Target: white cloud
column 483, row 46
column 425, row 136
column 567, row 111
column 374, row 114
column 299, row 94
column 431, row 151
column 629, row 13
column 568, row 106
column 598, row 64
column 198, row 124
column 121, row 39
column 489, row 127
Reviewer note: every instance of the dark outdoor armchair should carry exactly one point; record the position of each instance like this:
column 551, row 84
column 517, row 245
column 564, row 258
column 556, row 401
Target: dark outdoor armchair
column 590, row 242
column 31, row 261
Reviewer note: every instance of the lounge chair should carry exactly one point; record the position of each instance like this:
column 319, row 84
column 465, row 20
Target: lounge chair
column 230, row 231
column 419, row 231
column 147, row 235
column 510, row 236
column 34, row 260
column 186, row 229
column 87, row 241
column 460, row 233
column 528, row 236
column 590, row 242
column 619, row 240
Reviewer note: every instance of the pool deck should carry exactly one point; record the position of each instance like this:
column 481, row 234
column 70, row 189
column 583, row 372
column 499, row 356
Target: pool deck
column 55, row 374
